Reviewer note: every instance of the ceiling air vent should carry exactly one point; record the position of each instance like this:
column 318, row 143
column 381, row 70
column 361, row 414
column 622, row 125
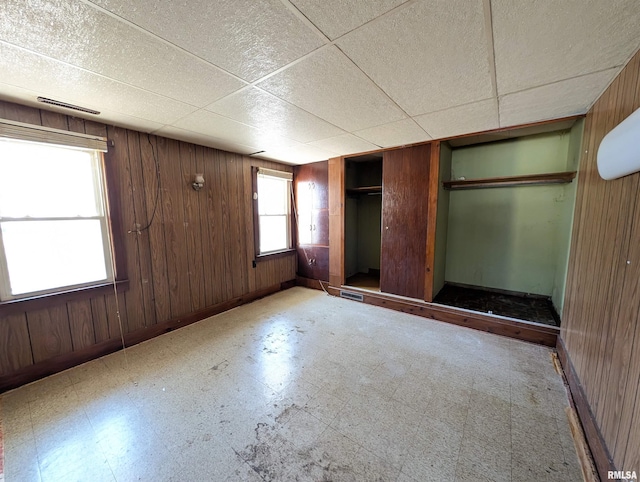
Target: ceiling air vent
column 351, row 296
column 67, row 106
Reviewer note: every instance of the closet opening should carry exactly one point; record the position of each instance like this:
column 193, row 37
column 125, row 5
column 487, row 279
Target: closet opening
column 363, row 213
column 504, row 218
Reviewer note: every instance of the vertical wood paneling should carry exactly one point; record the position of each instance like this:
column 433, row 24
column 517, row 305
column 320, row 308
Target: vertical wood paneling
column 155, row 230
column 81, row 324
column 197, row 252
column 173, row 213
column 118, row 155
column 601, row 329
column 141, row 261
column 100, row 319
column 234, row 251
column 19, row 113
column 210, row 218
column 49, row 332
column 193, row 238
column 15, row 347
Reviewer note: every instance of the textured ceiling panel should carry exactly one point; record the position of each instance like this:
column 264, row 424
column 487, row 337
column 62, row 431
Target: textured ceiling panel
column 249, row 38
column 464, row 119
column 60, row 81
column 344, row 144
column 83, row 36
column 214, row 125
column 551, row 101
column 428, row 56
column 204, row 140
column 394, row 134
column 301, row 154
column 337, row 17
column 19, row 95
column 264, row 111
column 328, row 85
column 181, row 68
column 549, row 40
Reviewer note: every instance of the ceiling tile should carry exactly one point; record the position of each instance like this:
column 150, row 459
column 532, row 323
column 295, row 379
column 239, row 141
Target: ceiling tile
column 561, row 99
column 428, row 56
column 50, row 78
column 545, row 41
column 204, row 140
column 344, row 144
column 19, row 95
column 337, row 17
column 328, row 85
column 81, row 35
column 395, row 134
column 464, row 119
column 264, row 111
column 246, row 37
column 302, row 154
column 214, row 125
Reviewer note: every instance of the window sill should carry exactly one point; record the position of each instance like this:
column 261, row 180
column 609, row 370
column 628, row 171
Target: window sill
column 276, row 254
column 39, row 302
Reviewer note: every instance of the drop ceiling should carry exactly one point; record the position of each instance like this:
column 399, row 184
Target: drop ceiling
column 304, row 80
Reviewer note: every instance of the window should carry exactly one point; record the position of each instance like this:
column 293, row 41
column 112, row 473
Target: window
column 54, row 232
column 273, row 223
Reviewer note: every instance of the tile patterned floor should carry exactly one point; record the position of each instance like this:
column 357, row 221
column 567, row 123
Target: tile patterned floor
column 299, row 386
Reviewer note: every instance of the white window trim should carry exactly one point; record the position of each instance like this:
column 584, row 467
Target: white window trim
column 287, row 176
column 101, row 200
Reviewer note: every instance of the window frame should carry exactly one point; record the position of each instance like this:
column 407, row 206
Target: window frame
column 256, row 217
column 106, row 172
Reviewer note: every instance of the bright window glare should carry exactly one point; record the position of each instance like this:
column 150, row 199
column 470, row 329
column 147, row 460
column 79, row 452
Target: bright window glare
column 42, row 255
column 273, row 194
column 43, row 181
column 273, row 233
column 54, row 233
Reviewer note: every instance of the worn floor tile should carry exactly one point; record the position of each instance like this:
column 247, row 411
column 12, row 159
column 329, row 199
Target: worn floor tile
column 299, row 386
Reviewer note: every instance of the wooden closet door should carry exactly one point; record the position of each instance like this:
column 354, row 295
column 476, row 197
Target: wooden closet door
column 405, row 203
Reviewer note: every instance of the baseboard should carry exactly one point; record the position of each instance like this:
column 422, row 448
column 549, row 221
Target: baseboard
column 314, row 284
column 499, row 325
column 597, row 446
column 68, row 360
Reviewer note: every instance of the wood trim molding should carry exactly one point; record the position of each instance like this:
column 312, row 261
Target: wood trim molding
column 336, row 220
column 114, row 212
column 22, row 305
column 313, row 284
column 472, row 134
column 432, row 215
column 498, row 325
column 69, row 360
column 597, row 445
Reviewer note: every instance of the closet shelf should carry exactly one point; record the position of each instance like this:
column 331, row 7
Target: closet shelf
column 365, row 190
column 529, row 180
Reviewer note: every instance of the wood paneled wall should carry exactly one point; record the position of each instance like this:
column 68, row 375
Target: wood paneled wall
column 601, row 331
column 198, row 251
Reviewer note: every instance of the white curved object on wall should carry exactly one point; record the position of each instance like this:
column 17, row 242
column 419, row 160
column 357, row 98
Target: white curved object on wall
column 619, row 151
